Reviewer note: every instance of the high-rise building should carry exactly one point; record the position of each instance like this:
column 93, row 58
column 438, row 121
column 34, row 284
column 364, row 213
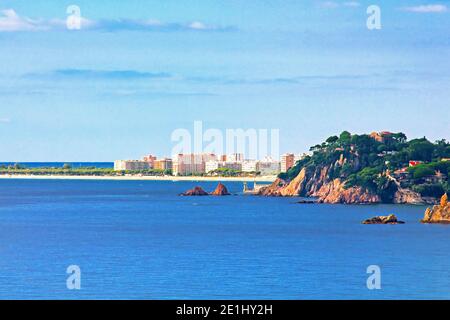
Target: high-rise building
column 163, row 164
column 187, row 164
column 287, row 161
column 150, row 159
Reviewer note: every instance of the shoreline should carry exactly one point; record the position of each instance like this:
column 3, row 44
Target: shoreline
column 268, row 179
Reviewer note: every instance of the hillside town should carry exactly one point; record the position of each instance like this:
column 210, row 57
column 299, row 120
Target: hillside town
column 210, row 164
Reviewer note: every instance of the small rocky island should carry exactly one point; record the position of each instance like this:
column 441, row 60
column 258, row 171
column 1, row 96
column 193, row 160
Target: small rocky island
column 197, row 191
column 391, row 219
column 220, row 190
column 439, row 213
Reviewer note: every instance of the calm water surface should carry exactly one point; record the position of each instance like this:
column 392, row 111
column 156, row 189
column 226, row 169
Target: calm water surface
column 138, row 239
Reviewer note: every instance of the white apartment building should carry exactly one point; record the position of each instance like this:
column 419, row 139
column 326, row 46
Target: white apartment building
column 214, row 165
column 186, row 164
column 131, row 165
column 250, row 166
column 268, row 167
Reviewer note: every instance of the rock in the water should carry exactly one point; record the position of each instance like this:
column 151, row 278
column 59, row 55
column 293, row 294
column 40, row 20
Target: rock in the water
column 197, row 191
column 391, row 219
column 305, row 201
column 221, row 190
column 439, row 213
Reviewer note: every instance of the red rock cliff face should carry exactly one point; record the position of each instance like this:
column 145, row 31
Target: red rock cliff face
column 335, row 192
column 318, row 184
column 281, row 188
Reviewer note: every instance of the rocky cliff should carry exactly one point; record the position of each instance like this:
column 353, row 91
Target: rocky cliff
column 439, row 213
column 335, row 192
column 316, row 183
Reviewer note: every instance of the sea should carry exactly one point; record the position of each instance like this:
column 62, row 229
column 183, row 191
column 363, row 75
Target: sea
column 141, row 240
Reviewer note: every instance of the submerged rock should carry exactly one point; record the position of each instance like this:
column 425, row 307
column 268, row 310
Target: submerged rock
column 197, row 191
column 307, row 202
column 391, row 219
column 221, row 190
column 439, row 213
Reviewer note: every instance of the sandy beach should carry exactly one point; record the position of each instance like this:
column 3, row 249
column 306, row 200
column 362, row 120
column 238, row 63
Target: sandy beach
column 139, row 178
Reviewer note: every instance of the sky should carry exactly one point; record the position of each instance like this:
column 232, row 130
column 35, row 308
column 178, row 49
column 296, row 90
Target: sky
column 136, row 71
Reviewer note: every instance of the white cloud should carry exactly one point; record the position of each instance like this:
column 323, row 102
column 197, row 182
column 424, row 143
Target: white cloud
column 198, row 25
column 431, row 8
column 334, row 4
column 329, row 4
column 353, row 4
column 10, row 21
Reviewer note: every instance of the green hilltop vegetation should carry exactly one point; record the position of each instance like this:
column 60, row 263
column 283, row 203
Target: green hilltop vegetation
column 374, row 162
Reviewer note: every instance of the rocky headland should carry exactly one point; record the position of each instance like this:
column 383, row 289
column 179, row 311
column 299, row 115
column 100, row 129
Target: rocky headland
column 367, row 169
column 439, row 213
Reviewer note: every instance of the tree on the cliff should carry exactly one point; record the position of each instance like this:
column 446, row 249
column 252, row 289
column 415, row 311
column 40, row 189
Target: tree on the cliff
column 332, row 139
column 421, row 149
column 442, row 149
column 345, row 137
column 421, row 171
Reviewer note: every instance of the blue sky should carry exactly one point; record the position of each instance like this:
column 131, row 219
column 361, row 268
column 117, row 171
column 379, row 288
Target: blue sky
column 138, row 70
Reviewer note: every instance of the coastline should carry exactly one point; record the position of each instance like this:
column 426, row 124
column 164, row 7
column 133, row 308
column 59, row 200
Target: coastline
column 139, row 178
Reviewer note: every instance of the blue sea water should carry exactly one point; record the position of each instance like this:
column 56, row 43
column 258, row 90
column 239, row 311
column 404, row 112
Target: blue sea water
column 139, row 239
